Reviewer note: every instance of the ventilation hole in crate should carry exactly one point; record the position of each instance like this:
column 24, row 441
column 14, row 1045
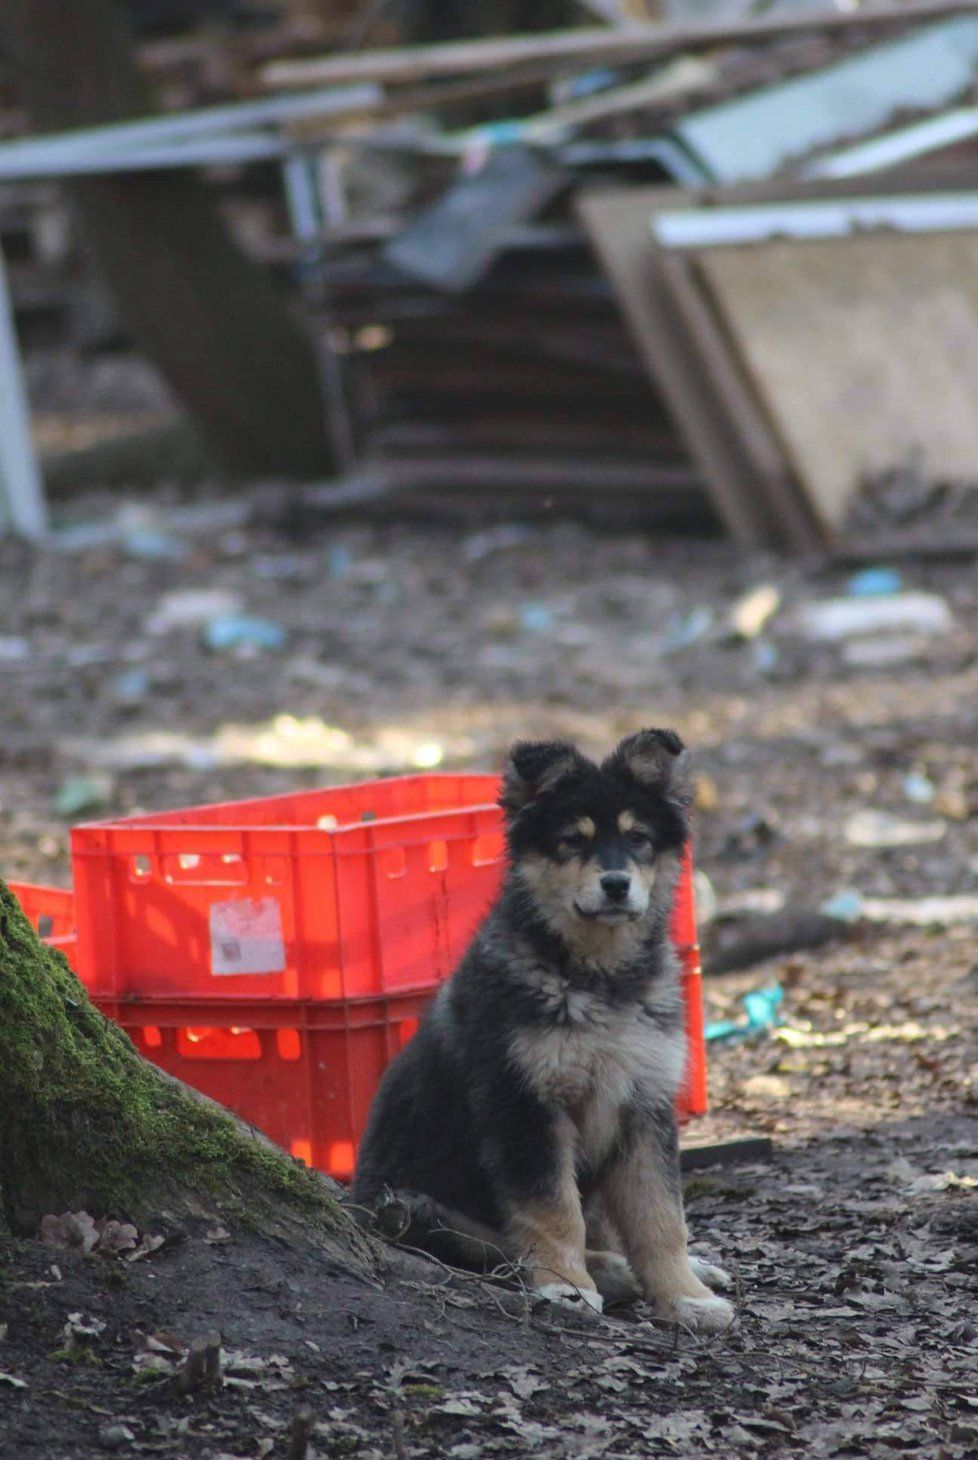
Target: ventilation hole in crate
column 339, row 1161
column 487, row 849
column 302, row 1151
column 289, row 1044
column 140, row 868
column 187, row 861
column 201, row 1043
column 45, row 925
column 150, row 1037
column 329, row 822
column 393, row 862
column 406, row 1030
column 437, row 856
column 230, row 859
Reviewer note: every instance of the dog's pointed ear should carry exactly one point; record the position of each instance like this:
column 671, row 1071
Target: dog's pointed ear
column 658, row 761
column 533, row 766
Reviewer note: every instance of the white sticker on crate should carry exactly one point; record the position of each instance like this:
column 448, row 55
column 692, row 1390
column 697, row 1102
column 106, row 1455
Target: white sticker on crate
column 246, row 936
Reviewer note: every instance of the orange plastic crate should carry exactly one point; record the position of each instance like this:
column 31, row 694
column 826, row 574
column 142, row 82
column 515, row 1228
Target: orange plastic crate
column 304, row 1073
column 51, row 912
column 344, row 893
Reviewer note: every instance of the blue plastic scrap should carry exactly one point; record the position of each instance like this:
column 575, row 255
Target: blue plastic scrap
column 236, row 631
column 762, row 1009
column 874, row 583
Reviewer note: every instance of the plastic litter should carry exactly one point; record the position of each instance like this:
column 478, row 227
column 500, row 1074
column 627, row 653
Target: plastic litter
column 79, row 795
column 881, row 651
column 536, row 618
column 189, row 607
column 765, row 656
column 762, row 1009
column 835, row 619
column 845, row 907
column 480, row 545
column 687, row 629
column 239, row 631
column 130, row 687
column 339, row 561
column 924, row 912
column 748, row 616
column 880, row 829
column 919, row 788
column 872, row 582
column 153, row 545
column 14, row 650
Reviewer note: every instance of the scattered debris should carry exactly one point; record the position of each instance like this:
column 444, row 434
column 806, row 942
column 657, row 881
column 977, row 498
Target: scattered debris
column 881, row 829
column 872, row 582
column 286, row 741
column 201, row 1369
column 762, row 1009
column 836, row 619
column 750, row 614
column 191, row 607
column 105, row 1236
column 239, row 631
column 78, row 796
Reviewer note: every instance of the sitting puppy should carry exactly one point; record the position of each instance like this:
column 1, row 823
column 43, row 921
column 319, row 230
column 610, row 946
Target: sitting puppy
column 534, row 1109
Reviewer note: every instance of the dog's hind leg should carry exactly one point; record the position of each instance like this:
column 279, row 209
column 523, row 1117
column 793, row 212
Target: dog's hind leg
column 612, row 1276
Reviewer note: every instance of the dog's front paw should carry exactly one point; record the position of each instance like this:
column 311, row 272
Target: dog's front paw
column 702, row 1315
column 714, row 1277
column 580, row 1299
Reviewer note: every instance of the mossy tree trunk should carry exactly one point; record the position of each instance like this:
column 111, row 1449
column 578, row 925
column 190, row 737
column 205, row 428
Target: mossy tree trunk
column 86, row 1123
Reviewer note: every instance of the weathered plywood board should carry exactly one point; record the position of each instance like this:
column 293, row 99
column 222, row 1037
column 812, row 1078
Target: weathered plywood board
column 863, row 350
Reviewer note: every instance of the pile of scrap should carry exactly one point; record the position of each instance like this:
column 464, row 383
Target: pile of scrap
column 773, row 362
column 720, row 269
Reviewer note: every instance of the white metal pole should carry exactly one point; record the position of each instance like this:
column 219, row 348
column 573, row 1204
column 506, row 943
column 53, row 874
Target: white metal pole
column 21, row 490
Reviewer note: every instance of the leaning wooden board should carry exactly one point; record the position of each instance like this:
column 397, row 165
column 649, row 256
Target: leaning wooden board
column 863, row 349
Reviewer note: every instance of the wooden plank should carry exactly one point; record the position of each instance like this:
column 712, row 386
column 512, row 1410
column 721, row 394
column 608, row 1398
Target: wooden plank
column 618, row 223
column 773, row 483
column 726, row 1153
column 864, row 350
column 590, row 45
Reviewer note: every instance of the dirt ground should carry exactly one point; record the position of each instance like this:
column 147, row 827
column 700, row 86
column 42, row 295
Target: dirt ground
column 855, row 1247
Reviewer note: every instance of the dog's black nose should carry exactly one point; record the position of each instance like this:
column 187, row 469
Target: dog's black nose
column 615, row 886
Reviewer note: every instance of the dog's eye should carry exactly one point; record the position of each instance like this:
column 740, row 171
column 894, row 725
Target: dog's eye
column 574, row 841
column 638, row 839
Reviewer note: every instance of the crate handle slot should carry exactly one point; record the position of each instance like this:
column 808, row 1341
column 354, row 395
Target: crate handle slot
column 289, row 1044
column 487, row 849
column 204, row 1043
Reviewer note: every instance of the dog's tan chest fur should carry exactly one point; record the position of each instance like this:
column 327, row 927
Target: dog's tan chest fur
column 593, row 1060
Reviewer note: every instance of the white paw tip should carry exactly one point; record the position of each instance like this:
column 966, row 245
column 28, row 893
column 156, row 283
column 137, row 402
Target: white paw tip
column 570, row 1297
column 704, row 1315
column 714, row 1277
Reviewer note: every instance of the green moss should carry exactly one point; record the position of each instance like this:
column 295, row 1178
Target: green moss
column 92, row 1123
column 430, row 1392
column 79, row 1353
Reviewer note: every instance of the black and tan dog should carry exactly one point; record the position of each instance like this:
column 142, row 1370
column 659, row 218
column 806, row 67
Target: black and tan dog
column 535, row 1106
